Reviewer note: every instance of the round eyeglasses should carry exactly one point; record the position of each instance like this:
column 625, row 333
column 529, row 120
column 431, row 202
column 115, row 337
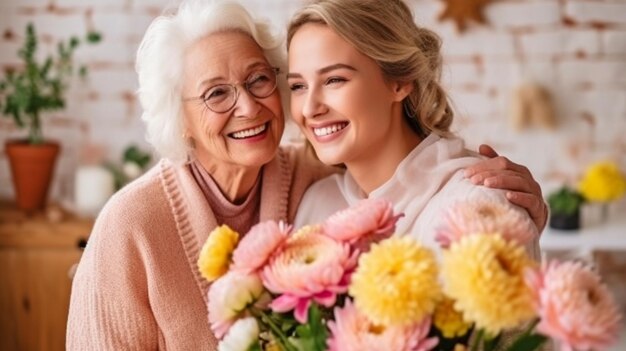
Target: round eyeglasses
column 222, row 97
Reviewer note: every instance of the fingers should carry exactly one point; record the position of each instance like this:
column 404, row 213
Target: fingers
column 487, row 151
column 534, row 205
column 496, row 163
column 507, row 180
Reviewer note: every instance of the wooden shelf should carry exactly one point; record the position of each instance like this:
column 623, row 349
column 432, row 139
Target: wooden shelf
column 36, row 231
column 609, row 236
column 36, row 256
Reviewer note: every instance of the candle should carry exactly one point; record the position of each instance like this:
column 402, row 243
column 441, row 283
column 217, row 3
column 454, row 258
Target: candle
column 94, row 185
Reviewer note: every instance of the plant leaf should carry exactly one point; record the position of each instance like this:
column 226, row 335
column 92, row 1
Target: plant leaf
column 255, row 347
column 528, row 342
column 313, row 334
column 94, row 37
column 490, row 344
column 37, row 86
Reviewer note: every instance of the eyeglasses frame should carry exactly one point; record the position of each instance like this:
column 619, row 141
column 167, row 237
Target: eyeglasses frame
column 276, row 71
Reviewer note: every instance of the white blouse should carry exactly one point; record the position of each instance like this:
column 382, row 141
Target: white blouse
column 426, row 183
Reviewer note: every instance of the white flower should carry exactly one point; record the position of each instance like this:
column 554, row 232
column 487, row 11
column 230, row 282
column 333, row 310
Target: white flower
column 241, row 336
column 228, row 298
column 131, row 170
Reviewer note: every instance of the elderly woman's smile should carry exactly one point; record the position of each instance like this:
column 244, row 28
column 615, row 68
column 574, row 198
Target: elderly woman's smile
column 252, row 134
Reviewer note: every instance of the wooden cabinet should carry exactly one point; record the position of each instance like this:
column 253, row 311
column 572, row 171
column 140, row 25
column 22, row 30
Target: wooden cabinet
column 36, row 256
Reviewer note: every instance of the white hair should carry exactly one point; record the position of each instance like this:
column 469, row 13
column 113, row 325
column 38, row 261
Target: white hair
column 159, row 64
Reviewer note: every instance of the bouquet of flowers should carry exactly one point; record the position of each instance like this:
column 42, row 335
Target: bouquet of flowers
column 350, row 284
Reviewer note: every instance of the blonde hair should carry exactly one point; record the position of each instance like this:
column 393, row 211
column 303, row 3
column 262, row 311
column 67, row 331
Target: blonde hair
column 159, row 64
column 385, row 32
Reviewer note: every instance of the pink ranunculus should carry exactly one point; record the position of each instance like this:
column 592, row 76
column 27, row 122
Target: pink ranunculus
column 485, row 216
column 309, row 267
column 574, row 306
column 257, row 246
column 370, row 220
column 228, row 298
column 353, row 331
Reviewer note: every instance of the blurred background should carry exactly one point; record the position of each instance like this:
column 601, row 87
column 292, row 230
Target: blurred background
column 575, row 50
column 542, row 81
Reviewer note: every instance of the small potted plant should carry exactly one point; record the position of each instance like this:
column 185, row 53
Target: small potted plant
column 565, row 206
column 25, row 94
column 602, row 184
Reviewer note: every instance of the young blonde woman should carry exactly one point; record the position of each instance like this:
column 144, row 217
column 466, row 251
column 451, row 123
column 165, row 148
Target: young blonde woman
column 365, row 91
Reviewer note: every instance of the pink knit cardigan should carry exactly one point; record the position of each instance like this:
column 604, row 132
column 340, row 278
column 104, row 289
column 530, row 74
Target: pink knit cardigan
column 137, row 286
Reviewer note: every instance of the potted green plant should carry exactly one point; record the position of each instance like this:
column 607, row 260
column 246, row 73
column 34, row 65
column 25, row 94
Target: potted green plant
column 24, row 95
column 565, row 206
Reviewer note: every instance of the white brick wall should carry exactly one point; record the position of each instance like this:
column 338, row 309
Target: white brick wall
column 561, row 41
column 479, row 41
column 525, row 14
column 458, row 74
column 120, row 25
column 90, row 3
column 611, row 11
column 576, row 48
column 112, row 82
column 600, row 73
column 614, row 42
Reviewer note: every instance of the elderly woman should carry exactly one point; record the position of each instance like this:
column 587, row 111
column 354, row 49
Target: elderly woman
column 208, row 78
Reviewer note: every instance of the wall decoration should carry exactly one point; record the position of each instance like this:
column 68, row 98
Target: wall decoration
column 531, row 105
column 464, row 11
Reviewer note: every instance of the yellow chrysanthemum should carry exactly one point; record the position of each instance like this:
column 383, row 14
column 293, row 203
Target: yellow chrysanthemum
column 216, row 252
column 603, row 182
column 485, row 275
column 396, row 282
column 448, row 320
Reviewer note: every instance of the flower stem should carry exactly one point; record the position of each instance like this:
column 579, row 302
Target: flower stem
column 477, row 340
column 531, row 327
column 288, row 346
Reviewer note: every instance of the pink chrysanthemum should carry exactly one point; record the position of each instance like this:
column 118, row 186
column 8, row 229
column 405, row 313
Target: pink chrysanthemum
column 230, row 295
column 309, row 267
column 574, row 306
column 256, row 247
column 370, row 220
column 353, row 331
column 485, row 216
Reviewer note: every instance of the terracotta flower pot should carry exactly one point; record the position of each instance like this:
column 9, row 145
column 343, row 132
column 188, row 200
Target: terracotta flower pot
column 32, row 167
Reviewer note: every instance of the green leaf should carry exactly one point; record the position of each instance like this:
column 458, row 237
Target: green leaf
column 282, row 339
column 490, row 344
column 82, row 71
column 94, row 37
column 255, row 347
column 565, row 201
column 528, row 342
column 74, row 42
column 38, row 86
column 119, row 177
column 313, row 334
column 134, row 154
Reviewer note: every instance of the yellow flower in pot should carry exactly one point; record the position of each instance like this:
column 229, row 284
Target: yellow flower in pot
column 24, row 95
column 602, row 183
